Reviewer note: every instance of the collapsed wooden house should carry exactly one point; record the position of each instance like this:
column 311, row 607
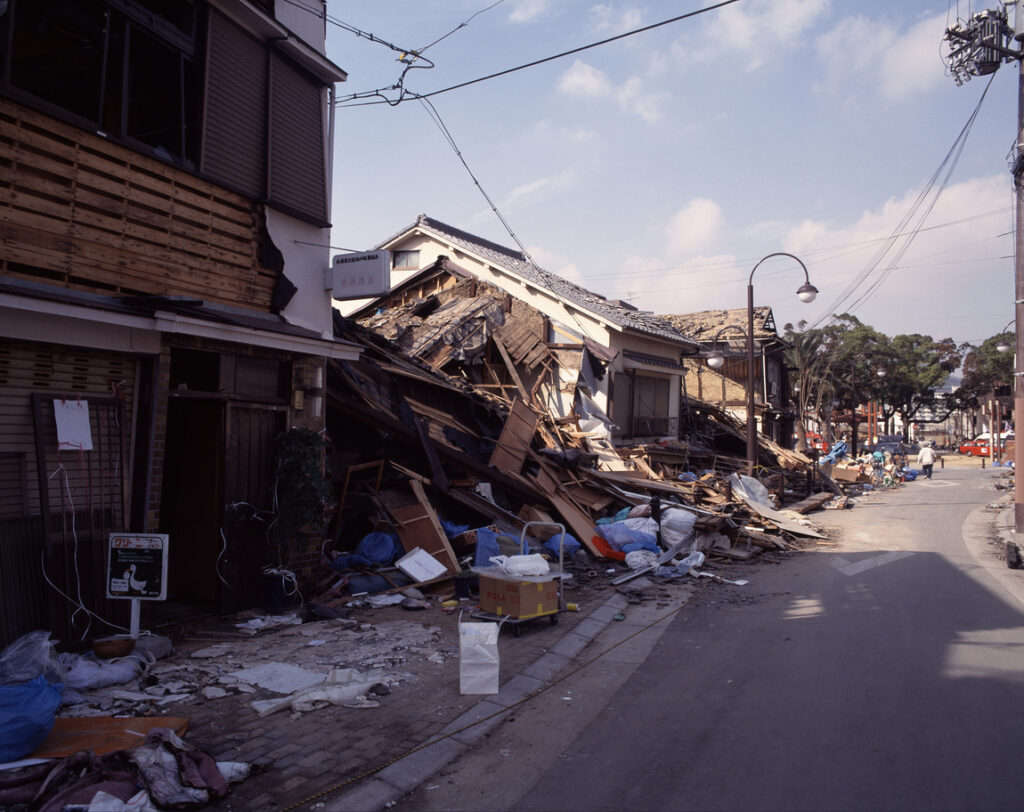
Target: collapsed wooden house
column 434, row 441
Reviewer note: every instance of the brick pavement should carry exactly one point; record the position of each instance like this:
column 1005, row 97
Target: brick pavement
column 310, row 753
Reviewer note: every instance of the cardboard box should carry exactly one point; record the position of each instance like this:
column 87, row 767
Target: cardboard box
column 517, row 597
column 852, row 475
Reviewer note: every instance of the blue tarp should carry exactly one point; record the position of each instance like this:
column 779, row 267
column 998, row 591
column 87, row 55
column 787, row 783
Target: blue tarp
column 373, row 550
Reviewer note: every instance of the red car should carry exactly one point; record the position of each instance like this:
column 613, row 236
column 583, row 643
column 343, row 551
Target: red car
column 979, row 447
column 974, row 448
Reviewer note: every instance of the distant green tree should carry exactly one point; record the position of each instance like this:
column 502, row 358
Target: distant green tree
column 985, row 368
column 804, row 355
column 852, row 354
column 916, row 366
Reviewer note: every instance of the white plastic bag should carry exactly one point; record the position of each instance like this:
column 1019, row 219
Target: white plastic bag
column 676, row 525
column 533, row 564
column 478, row 658
column 641, row 559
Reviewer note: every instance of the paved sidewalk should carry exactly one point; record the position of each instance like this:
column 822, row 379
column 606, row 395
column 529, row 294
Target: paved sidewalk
column 331, row 758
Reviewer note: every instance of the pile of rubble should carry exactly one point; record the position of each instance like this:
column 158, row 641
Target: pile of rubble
column 449, row 439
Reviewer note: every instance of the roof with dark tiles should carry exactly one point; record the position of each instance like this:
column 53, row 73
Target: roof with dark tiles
column 618, row 313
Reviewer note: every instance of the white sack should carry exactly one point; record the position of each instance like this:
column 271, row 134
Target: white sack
column 533, row 564
column 676, row 525
column 478, row 658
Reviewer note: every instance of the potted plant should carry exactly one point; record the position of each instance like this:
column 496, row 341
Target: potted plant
column 302, row 497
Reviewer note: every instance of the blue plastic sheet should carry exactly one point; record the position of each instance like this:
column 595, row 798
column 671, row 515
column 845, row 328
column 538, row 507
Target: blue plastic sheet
column 27, row 711
column 374, row 549
column 837, row 452
column 569, row 544
column 626, row 539
column 452, row 530
column 486, row 546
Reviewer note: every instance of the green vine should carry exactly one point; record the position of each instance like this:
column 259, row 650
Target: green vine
column 302, row 494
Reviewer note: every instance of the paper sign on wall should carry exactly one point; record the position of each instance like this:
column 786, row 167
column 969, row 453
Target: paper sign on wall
column 73, row 431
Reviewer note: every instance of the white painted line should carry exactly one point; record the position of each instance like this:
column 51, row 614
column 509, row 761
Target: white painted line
column 856, row 568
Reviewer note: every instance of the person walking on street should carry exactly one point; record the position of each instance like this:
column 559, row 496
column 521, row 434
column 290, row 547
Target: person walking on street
column 926, row 459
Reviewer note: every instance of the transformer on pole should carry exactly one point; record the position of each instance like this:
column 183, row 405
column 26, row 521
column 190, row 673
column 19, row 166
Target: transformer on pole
column 978, row 47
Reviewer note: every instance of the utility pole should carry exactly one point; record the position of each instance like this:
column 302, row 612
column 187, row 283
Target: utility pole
column 978, row 47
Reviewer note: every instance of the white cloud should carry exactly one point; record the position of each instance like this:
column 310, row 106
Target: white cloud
column 753, row 30
column 540, row 189
column 525, row 11
column 957, row 263
column 608, row 18
column 955, row 279
column 898, row 63
column 693, row 227
column 557, row 264
column 585, row 80
column 582, row 79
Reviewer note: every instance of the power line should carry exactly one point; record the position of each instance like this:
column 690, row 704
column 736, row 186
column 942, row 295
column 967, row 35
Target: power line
column 744, row 263
column 461, row 25
column 342, row 102
column 949, row 164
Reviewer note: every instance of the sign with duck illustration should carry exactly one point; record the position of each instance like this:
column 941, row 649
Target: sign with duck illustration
column 137, row 566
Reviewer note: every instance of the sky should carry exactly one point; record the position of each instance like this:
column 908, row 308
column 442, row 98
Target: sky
column 662, row 167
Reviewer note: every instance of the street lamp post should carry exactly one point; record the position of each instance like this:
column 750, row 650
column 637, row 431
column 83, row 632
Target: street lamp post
column 806, row 292
column 715, row 358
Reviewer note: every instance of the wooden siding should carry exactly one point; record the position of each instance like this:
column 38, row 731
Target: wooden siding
column 79, row 212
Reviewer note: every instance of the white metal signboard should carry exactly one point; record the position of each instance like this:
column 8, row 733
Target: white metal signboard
column 360, row 276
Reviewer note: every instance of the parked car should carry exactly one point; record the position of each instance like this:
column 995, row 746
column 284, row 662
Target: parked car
column 897, row 447
column 979, row 446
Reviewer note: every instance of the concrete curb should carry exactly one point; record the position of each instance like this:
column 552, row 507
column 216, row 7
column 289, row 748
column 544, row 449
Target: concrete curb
column 403, row 776
column 978, row 530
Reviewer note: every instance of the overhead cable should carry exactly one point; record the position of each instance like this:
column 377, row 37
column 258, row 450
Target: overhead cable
column 343, row 101
column 903, row 227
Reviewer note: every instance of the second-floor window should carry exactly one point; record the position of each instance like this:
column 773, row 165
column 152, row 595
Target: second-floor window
column 128, row 70
column 404, row 260
column 177, row 80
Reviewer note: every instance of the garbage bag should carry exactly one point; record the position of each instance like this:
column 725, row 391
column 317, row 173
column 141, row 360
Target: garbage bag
column 631, row 534
column 27, row 712
column 641, row 559
column 525, row 565
column 28, row 657
column 373, row 549
column 569, row 544
column 86, row 673
column 676, row 525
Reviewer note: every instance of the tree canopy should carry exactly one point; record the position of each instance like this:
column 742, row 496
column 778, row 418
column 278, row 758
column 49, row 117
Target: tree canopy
column 851, row 363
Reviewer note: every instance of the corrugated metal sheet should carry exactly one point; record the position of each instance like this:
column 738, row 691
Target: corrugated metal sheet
column 297, row 157
column 234, row 140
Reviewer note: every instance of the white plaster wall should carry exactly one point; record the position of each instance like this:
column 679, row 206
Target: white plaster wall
column 306, row 256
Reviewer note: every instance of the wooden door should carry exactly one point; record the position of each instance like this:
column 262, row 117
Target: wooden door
column 250, row 433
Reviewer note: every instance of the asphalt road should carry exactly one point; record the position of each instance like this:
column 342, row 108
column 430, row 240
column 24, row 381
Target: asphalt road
column 883, row 673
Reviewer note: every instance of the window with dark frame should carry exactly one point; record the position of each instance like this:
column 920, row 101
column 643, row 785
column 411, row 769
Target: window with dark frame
column 405, row 260
column 133, row 71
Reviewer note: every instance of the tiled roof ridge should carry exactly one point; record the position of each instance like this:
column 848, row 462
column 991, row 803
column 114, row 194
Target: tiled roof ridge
column 525, row 267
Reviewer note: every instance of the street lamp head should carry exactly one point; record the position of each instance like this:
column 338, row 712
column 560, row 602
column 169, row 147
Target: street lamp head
column 1002, row 346
column 716, row 360
column 881, row 373
column 807, row 292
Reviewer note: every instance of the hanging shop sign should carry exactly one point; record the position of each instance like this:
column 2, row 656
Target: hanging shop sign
column 360, row 276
